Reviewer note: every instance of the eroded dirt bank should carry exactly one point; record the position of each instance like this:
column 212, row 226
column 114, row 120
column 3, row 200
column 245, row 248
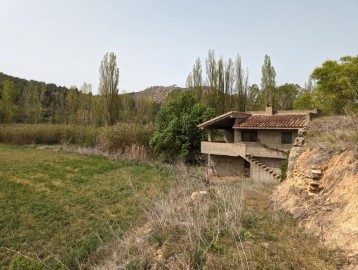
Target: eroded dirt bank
column 321, row 191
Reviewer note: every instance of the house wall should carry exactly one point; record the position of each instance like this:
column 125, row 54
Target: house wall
column 229, row 135
column 269, row 138
column 237, row 135
column 225, row 166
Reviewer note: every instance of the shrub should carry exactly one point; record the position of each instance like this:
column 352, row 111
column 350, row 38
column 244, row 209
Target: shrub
column 176, row 133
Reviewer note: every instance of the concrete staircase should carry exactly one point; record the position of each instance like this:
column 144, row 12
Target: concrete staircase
column 261, row 171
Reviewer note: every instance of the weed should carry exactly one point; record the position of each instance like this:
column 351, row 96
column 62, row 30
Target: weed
column 232, row 226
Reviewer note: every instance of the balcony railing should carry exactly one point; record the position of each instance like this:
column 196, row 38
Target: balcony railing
column 240, row 149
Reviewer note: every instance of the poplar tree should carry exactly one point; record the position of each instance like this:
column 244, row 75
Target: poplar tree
column 108, row 87
column 241, row 79
column 268, row 80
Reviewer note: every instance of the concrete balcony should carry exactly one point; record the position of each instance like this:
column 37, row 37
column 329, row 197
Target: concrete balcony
column 240, row 149
column 223, row 149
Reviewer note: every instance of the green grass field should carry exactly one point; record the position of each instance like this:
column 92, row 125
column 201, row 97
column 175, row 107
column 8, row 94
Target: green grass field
column 56, row 207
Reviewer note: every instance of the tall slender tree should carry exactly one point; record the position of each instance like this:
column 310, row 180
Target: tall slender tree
column 229, row 84
column 268, row 80
column 108, row 86
column 241, row 79
column 211, row 80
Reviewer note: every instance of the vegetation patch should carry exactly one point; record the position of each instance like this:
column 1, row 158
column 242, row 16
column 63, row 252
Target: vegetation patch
column 335, row 133
column 59, row 207
column 122, row 138
column 232, row 225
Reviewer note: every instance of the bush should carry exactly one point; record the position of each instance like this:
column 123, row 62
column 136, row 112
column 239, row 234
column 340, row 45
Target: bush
column 121, row 135
column 283, row 167
column 336, row 133
column 176, row 133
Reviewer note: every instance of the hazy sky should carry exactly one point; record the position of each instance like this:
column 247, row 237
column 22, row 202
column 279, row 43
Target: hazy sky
column 157, row 41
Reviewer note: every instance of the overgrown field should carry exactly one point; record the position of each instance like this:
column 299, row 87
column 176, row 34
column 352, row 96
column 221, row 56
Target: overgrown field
column 55, row 208
column 119, row 138
column 230, row 225
column 336, row 133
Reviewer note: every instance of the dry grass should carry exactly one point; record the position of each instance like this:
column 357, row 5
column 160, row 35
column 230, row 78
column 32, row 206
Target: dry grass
column 129, row 141
column 336, row 133
column 232, row 226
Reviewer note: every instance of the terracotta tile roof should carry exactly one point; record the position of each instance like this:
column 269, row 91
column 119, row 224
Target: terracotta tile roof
column 274, row 121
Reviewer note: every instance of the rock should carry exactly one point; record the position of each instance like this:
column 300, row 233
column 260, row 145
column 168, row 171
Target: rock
column 299, row 141
column 301, row 132
column 197, row 196
column 316, row 174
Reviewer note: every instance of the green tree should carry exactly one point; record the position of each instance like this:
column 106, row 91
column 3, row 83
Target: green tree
column 211, row 89
column 176, row 134
column 108, row 86
column 241, row 84
column 195, row 80
column 337, row 85
column 30, row 103
column 268, row 81
column 285, row 96
column 8, row 107
column 72, row 103
column 253, row 98
column 304, row 100
column 85, row 102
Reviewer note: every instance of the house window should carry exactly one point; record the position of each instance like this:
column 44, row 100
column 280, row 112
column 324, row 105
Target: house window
column 249, row 136
column 286, row 137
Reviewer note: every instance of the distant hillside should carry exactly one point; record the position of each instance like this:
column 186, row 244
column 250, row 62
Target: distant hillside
column 21, row 83
column 157, row 93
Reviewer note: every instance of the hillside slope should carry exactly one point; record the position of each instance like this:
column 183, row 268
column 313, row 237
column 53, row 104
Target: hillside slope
column 157, row 93
column 322, row 184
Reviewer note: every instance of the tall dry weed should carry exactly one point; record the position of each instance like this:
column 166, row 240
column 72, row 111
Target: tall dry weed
column 123, row 141
column 335, row 133
column 184, row 225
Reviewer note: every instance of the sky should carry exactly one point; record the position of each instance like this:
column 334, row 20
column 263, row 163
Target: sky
column 158, row 41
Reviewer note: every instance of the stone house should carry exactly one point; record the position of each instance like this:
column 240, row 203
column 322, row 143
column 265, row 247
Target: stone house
column 252, row 144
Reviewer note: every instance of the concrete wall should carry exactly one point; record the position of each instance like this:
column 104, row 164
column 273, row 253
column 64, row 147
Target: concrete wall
column 229, row 135
column 226, row 166
column 237, row 135
column 261, row 172
column 270, row 138
column 224, row 149
column 273, row 163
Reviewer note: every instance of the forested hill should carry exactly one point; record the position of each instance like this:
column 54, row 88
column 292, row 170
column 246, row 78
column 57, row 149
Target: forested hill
column 29, row 101
column 21, row 83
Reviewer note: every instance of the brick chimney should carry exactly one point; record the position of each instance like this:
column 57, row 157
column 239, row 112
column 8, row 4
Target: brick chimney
column 269, row 109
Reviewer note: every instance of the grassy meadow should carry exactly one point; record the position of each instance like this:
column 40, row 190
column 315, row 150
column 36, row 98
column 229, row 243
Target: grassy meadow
column 58, row 207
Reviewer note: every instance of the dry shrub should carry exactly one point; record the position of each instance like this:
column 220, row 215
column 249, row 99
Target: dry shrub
column 185, row 229
column 121, row 135
column 335, row 132
column 128, row 141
